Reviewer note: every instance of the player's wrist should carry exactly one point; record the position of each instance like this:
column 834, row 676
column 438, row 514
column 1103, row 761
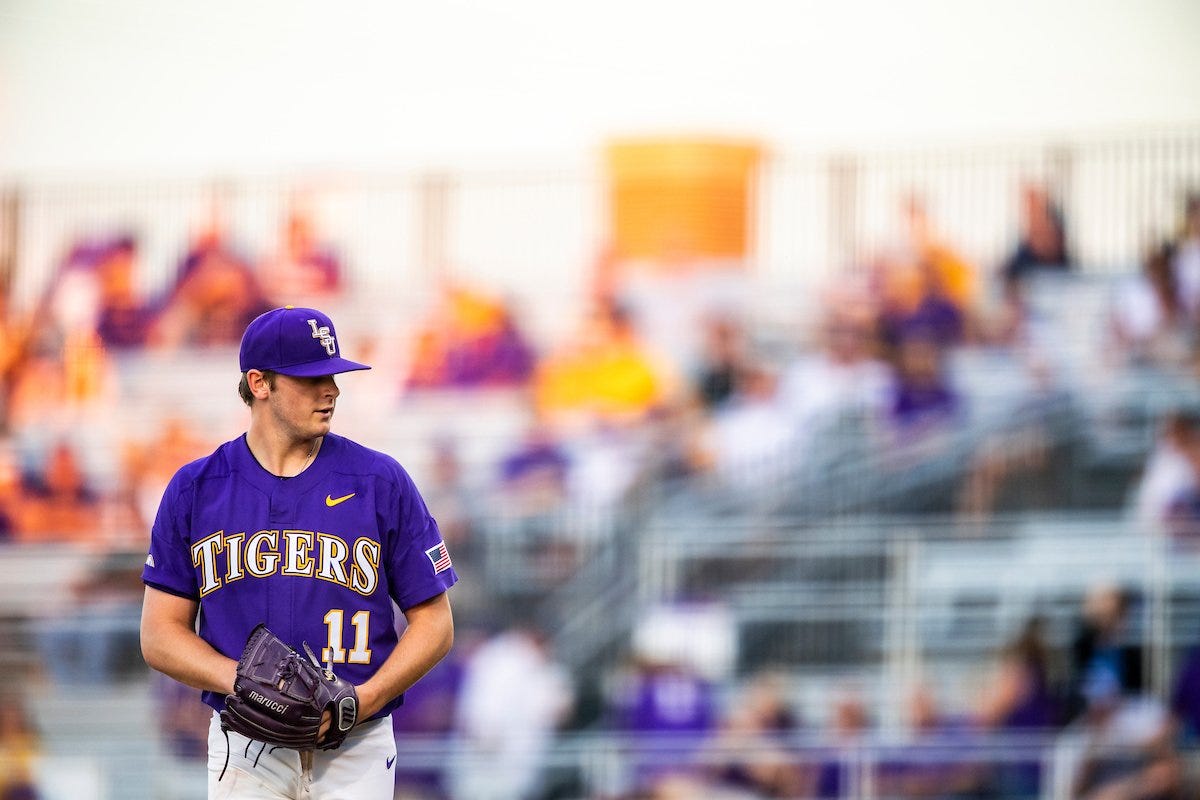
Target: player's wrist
column 370, row 701
column 228, row 679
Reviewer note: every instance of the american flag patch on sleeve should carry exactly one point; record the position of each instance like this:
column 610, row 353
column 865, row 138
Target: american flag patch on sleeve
column 440, row 557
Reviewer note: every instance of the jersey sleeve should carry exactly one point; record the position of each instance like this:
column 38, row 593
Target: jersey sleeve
column 169, row 562
column 419, row 560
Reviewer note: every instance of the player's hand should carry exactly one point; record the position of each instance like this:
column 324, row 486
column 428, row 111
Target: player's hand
column 285, row 699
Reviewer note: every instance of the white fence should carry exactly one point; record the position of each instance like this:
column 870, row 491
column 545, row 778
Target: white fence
column 535, row 234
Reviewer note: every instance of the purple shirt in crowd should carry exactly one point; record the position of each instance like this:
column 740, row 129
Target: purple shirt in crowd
column 318, row 558
column 914, row 405
column 1185, row 697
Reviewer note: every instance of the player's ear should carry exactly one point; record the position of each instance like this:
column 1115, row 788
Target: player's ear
column 259, row 386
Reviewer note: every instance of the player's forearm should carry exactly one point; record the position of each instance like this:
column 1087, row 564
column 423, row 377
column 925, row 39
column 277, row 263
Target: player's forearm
column 426, row 641
column 178, row 652
column 171, row 645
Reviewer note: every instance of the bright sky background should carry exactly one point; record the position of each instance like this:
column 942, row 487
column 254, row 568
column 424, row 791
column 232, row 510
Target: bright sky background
column 101, row 87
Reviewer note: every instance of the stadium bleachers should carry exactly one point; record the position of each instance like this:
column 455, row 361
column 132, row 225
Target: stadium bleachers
column 845, row 560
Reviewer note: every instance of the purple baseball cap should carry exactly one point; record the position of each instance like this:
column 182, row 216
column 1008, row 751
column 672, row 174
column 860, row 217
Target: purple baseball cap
column 294, row 341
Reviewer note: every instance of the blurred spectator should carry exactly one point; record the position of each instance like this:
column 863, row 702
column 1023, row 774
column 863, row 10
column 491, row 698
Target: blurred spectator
column 936, row 759
column 214, row 296
column 1043, row 241
column 533, row 474
column 497, row 356
column 60, row 503
column 12, row 492
column 748, row 441
column 922, row 399
column 606, row 464
column 37, row 382
column 843, row 374
column 1181, row 518
column 1150, row 323
column 849, row 724
column 59, row 367
column 723, row 358
column 12, row 355
column 70, row 301
column 1185, row 262
column 427, row 362
column 87, row 371
column 514, row 696
column 1101, row 656
column 1170, row 477
column 666, row 710
column 147, row 467
column 53, row 389
column 1019, row 699
column 124, row 318
column 1185, row 698
column 1019, row 696
column 750, row 746
column 655, row 696
column 1124, row 748
column 953, row 275
column 472, row 340
column 923, row 285
column 932, row 314
column 302, row 271
column 20, row 747
column 605, row 373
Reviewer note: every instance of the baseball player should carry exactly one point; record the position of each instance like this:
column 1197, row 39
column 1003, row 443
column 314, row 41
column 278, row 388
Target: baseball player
column 314, row 536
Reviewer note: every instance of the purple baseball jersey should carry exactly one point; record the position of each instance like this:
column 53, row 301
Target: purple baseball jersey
column 318, row 558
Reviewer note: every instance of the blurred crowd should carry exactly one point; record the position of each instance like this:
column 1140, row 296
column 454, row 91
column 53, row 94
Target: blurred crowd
column 668, row 382
column 667, row 374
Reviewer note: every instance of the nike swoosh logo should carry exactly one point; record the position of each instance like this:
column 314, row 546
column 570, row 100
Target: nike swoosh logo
column 391, row 761
column 333, row 501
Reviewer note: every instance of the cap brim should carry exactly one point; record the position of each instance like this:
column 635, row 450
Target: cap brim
column 326, row 366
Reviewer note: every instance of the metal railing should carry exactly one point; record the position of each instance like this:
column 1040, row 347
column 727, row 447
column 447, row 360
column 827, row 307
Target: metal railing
column 898, row 597
column 535, row 233
column 100, row 736
column 1029, row 766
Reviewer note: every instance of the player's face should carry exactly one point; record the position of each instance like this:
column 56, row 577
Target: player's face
column 303, row 407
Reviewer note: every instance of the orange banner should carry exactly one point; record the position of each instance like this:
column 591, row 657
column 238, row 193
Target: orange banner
column 681, row 198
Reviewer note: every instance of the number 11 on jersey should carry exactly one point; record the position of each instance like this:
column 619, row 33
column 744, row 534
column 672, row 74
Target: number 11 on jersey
column 334, row 623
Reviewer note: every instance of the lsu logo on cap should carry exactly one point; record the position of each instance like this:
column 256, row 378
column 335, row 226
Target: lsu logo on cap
column 322, row 333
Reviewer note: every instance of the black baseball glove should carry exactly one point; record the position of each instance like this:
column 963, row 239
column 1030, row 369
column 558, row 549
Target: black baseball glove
column 280, row 697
